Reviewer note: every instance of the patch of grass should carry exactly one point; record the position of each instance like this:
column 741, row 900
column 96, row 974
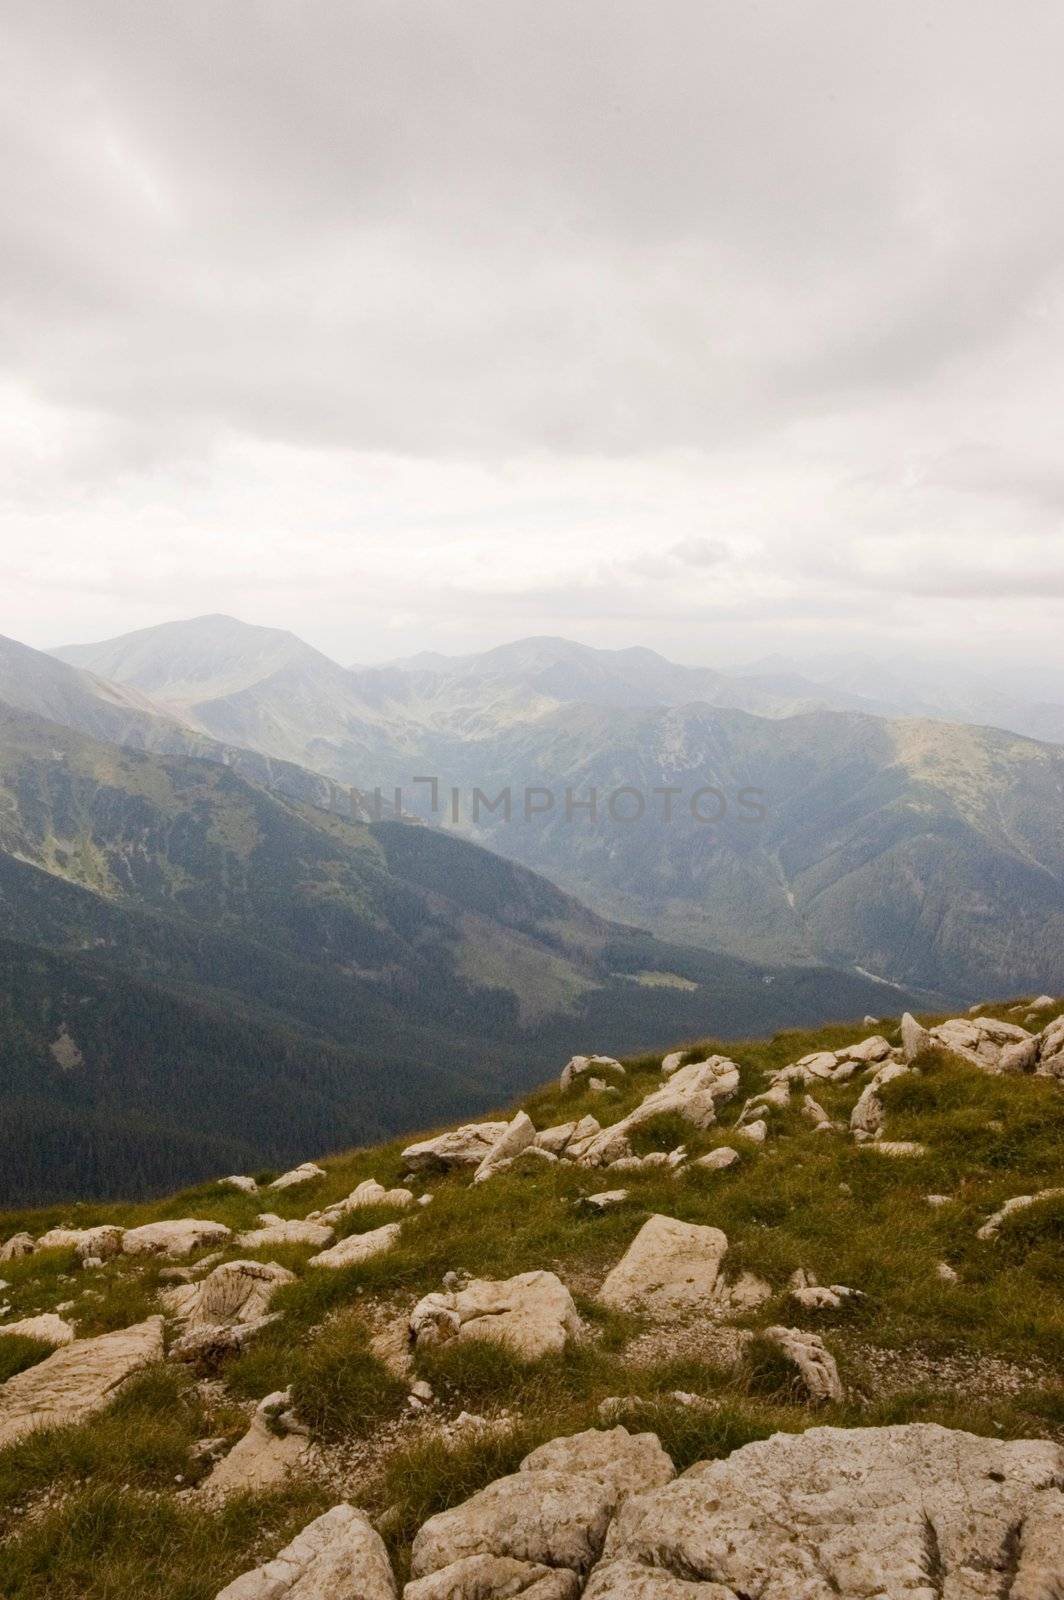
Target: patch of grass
column 106, row 1543
column 142, row 1439
column 17, row 1352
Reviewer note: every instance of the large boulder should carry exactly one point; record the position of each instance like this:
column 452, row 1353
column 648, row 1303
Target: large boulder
column 358, row 1247
column 671, row 1268
column 568, row 1140
column 174, row 1238
column 98, row 1244
column 16, row 1247
column 553, row 1513
column 338, row 1556
column 533, row 1314
column 913, row 1512
column 458, row 1147
column 76, row 1380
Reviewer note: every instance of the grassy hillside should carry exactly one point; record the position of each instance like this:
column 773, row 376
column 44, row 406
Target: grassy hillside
column 391, row 970
column 105, row 1509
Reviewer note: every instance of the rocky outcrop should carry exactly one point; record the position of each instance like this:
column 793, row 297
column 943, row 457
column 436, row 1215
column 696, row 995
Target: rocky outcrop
column 532, row 1313
column 693, row 1093
column 358, row 1247
column 914, row 1037
column 836, row 1066
column 459, row 1147
column 671, row 1268
column 898, row 1513
column 338, row 1556
column 179, row 1238
column 981, row 1041
column 76, row 1380
column 552, row 1514
column 516, row 1137
column 580, row 1067
column 868, row 1115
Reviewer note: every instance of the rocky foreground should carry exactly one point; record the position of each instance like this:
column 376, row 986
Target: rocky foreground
column 715, row 1325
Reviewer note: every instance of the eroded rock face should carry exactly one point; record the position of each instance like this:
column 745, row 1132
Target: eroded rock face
column 173, row 1238
column 235, row 1292
column 916, row 1512
column 495, row 1578
column 77, row 1380
column 338, row 1556
column 532, row 1313
column 459, row 1147
column 554, row 1512
column 670, row 1268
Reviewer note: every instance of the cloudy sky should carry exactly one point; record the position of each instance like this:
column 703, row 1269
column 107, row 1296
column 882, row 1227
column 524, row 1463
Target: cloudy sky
column 717, row 325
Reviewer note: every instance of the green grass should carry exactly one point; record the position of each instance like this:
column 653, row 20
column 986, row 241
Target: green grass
column 804, row 1200
column 17, row 1352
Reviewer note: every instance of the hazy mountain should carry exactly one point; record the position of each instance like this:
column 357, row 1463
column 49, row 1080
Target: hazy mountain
column 386, row 974
column 921, row 851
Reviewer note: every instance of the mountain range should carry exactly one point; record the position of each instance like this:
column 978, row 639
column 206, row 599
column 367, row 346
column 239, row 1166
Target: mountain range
column 927, row 852
column 199, row 970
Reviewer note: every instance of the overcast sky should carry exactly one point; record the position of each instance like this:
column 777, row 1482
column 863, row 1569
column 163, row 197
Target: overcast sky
column 714, row 325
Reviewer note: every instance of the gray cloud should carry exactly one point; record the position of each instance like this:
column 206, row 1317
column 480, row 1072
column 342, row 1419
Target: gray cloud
column 320, row 310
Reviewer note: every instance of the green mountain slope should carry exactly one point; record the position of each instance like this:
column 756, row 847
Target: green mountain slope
column 392, row 972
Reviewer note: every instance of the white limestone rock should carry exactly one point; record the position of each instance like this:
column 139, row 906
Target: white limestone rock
column 813, row 1363
column 458, row 1147
column 553, row 1512
column 579, row 1067
column 1020, row 1202
column 516, row 1137
column 103, row 1242
column 268, row 1237
column 367, row 1193
column 671, row 1268
column 533, row 1314
column 358, row 1247
column 717, row 1160
column 179, row 1238
column 264, row 1457
column 77, row 1380
column 234, row 1293
column 338, row 1556
column 306, row 1172
column 912, row 1512
column 47, row 1328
